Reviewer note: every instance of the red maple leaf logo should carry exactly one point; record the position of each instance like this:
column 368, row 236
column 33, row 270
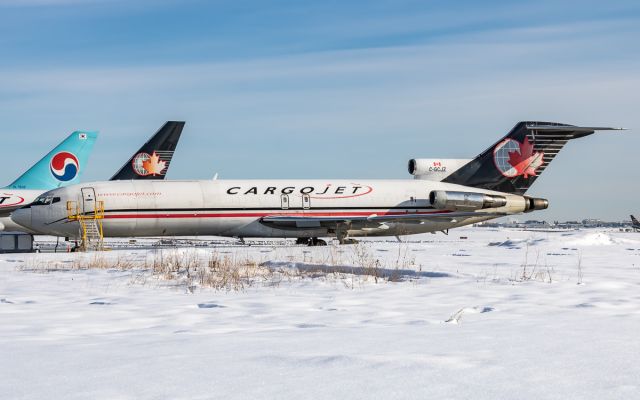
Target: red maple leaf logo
column 526, row 161
column 154, row 165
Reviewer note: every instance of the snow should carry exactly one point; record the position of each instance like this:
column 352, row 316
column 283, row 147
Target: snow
column 599, row 239
column 466, row 320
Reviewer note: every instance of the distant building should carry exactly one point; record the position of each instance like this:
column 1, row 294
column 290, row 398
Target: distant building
column 536, row 224
column 592, row 223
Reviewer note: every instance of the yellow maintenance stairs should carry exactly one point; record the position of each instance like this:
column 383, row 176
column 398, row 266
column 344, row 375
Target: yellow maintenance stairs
column 90, row 224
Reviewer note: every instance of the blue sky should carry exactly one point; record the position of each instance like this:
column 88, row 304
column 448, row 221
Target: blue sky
column 332, row 89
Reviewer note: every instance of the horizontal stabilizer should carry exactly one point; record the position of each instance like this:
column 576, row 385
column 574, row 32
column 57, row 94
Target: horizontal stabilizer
column 570, row 128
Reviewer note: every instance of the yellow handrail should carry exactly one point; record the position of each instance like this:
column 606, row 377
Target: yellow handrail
column 74, row 214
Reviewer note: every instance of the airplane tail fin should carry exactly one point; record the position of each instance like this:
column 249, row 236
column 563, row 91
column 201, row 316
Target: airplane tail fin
column 634, row 221
column 62, row 166
column 513, row 163
column 152, row 160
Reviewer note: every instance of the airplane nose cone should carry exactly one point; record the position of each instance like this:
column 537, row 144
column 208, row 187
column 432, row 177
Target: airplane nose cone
column 22, row 216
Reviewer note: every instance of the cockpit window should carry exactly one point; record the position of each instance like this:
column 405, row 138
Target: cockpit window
column 45, row 201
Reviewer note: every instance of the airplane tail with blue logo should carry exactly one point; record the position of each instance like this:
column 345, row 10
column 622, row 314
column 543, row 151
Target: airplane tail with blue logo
column 63, row 165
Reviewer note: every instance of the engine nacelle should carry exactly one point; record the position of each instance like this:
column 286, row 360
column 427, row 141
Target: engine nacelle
column 535, row 204
column 471, row 201
column 435, row 169
column 465, row 201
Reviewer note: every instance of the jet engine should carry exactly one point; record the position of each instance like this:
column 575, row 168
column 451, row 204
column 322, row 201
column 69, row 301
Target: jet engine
column 535, row 204
column 435, row 169
column 471, row 201
column 465, row 201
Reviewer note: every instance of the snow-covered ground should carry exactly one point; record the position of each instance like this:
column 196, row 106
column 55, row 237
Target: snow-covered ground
column 471, row 322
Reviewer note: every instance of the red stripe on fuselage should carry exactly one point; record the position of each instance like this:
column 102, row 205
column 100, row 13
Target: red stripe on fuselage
column 260, row 215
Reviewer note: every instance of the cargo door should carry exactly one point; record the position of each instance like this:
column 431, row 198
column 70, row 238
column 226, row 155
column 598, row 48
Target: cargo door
column 284, row 202
column 88, row 200
column 306, row 202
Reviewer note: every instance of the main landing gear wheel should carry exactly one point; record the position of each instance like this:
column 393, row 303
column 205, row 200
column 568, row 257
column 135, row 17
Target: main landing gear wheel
column 341, row 235
column 311, row 241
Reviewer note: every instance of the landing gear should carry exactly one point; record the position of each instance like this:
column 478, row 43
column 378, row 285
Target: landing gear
column 311, row 241
column 341, row 235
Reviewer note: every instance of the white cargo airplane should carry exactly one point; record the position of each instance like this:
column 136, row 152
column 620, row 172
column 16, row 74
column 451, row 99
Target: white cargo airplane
column 490, row 186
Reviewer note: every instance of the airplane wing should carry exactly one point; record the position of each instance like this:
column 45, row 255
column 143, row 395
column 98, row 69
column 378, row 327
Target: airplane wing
column 373, row 220
column 6, row 211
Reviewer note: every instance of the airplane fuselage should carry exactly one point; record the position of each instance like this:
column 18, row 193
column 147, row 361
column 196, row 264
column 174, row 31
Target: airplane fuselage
column 11, row 200
column 236, row 208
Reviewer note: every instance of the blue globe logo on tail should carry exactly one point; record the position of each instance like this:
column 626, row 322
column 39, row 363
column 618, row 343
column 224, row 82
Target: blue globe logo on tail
column 65, row 166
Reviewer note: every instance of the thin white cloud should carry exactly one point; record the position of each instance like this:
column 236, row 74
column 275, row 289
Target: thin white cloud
column 343, row 68
column 38, row 3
